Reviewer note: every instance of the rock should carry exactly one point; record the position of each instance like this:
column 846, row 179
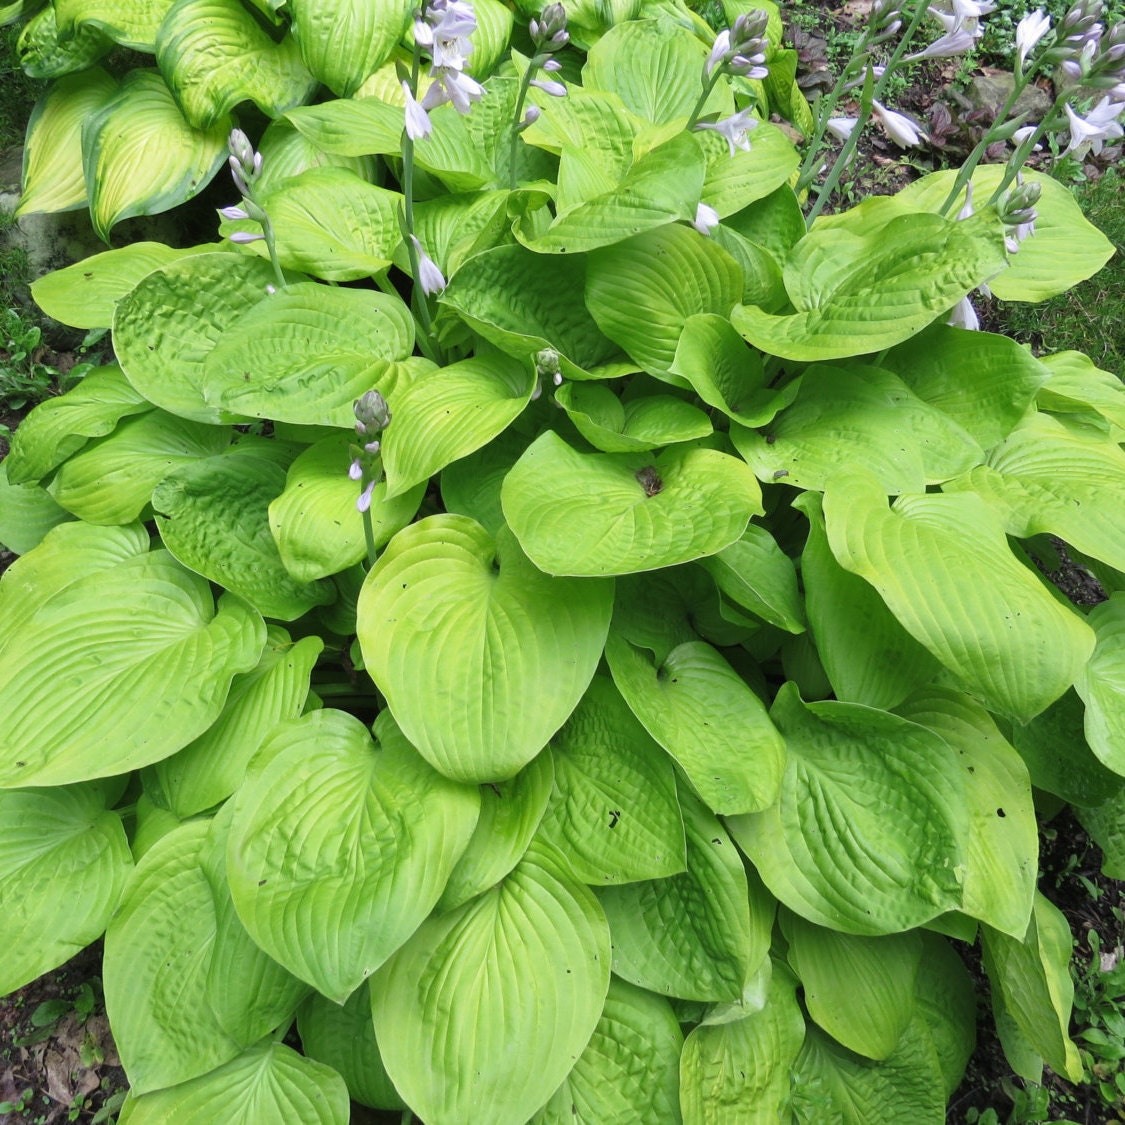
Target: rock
column 990, row 92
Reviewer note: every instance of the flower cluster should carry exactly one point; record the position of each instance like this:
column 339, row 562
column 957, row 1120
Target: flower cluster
column 549, row 34
column 245, row 168
column 372, row 416
column 443, row 28
column 739, row 50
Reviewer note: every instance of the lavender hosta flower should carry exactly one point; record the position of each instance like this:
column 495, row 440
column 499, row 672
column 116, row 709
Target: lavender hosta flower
column 904, row 132
column 967, row 211
column 1029, row 31
column 429, row 276
column 749, row 66
column 245, row 236
column 951, row 44
column 452, row 86
column 719, row 50
column 549, row 32
column 706, row 219
column 363, row 504
column 841, row 127
column 964, row 316
column 418, row 125
column 1022, row 134
column 735, row 130
column 549, row 86
column 1098, row 126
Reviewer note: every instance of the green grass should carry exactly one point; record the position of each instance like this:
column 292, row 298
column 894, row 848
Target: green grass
column 1091, row 316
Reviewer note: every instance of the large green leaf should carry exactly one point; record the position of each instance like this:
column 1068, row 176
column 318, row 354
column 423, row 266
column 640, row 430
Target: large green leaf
column 199, row 505
column 1033, row 980
column 735, row 1065
column 616, row 513
column 512, row 299
column 147, row 662
column 614, row 812
column 629, row 1069
column 858, row 989
column 858, row 414
column 943, row 566
column 1065, row 249
column 166, row 325
column 702, row 712
column 343, row 41
column 211, row 768
column 983, row 381
column 862, row 292
column 140, row 156
column 267, row 1082
column 1102, row 684
column 1052, row 475
column 480, row 667
column 722, row 930
column 157, row 956
column 867, row 655
column 64, row 860
column 27, row 513
column 214, row 54
column 307, row 353
column 1078, row 386
column 60, row 426
column 492, row 1004
column 442, row 415
column 642, row 291
column 344, row 1039
column 112, row 478
column 43, row 53
column 642, row 423
column 734, row 182
column 53, row 177
column 835, row 857
column 351, row 128
column 129, row 25
column 314, row 521
column 340, row 847
column 1002, row 860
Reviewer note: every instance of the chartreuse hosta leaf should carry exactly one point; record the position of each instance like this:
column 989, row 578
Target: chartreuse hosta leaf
column 338, row 837
column 344, row 1039
column 654, row 67
column 285, row 152
column 734, row 182
column 53, row 177
column 702, row 712
column 166, row 325
column 858, row 989
column 64, row 860
column 140, row 156
column 862, row 292
column 1052, row 475
column 43, row 54
column 831, row 1084
column 112, row 478
column 1002, row 861
column 1102, row 684
column 492, row 1004
column 266, row 1082
column 447, row 414
column 735, row 1065
column 723, row 925
column 642, row 291
column 615, row 513
column 60, row 426
column 129, row 25
column 1004, row 378
column 198, row 504
column 1077, row 386
column 629, row 1069
column 514, row 301
column 455, row 228
column 306, row 354
column 351, row 128
column 945, row 997
column 858, row 414
column 480, row 656
column 214, row 54
column 661, row 186
column 1067, row 247
column 614, row 811
column 836, row 858
column 211, row 768
column 1032, row 978
column 867, row 655
column 343, row 41
column 646, row 422
column 314, row 520
column 471, row 487
column 944, row 568
column 27, row 513
column 117, row 638
column 726, row 373
column 510, row 813
column 755, row 573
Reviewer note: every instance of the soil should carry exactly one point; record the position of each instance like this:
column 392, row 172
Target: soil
column 58, row 1062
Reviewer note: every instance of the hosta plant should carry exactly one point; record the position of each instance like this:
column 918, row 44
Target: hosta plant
column 552, row 635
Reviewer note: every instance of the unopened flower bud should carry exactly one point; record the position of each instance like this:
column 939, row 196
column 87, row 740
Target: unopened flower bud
column 549, row 86
column 1018, row 206
column 372, row 413
column 240, row 148
column 550, row 24
column 547, row 363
